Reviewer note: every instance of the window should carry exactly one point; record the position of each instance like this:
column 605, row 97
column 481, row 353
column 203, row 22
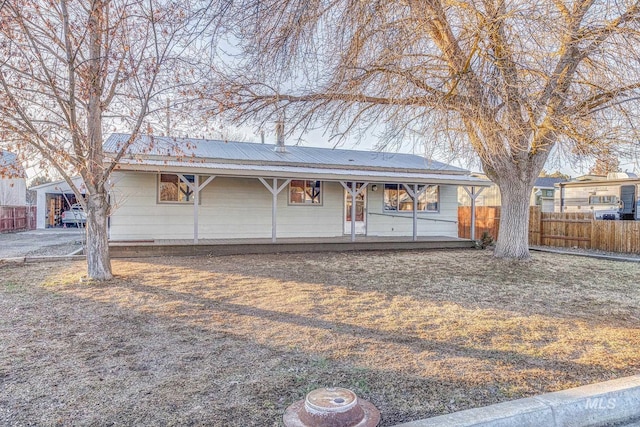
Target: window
column 603, row 200
column 397, row 199
column 172, row 189
column 305, row 192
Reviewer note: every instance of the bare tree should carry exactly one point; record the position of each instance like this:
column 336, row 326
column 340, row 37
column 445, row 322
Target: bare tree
column 71, row 70
column 556, row 174
column 510, row 81
column 605, row 163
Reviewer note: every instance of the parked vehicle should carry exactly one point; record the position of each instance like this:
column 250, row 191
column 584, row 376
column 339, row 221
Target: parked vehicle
column 74, row 216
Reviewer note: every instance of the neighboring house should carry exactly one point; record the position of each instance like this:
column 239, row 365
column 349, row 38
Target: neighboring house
column 542, row 194
column 169, row 188
column 615, row 196
column 13, row 187
column 52, row 199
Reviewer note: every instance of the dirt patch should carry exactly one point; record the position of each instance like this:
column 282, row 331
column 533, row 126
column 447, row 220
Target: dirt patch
column 232, row 341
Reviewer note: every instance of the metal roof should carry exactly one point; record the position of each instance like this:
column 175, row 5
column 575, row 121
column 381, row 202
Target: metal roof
column 600, row 182
column 148, row 147
column 296, row 172
column 61, row 185
column 547, row 182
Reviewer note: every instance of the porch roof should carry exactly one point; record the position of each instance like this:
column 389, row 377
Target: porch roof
column 297, row 172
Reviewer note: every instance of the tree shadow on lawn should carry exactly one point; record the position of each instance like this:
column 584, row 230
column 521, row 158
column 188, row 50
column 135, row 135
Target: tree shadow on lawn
column 196, row 340
column 598, row 291
column 72, row 357
column 412, row 357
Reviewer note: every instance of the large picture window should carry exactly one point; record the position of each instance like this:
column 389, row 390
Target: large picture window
column 171, row 189
column 397, row 199
column 305, row 192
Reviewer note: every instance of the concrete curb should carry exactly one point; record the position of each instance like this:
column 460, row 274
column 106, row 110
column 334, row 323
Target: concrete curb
column 79, row 251
column 55, row 258
column 34, row 259
column 598, row 404
column 12, row 260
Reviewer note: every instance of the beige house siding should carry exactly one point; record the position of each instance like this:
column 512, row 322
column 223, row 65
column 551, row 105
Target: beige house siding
column 229, row 208
column 310, row 221
column 442, row 223
column 241, row 208
column 490, row 196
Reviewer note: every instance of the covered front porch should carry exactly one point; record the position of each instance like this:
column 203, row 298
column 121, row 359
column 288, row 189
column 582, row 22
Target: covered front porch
column 387, row 204
column 186, row 247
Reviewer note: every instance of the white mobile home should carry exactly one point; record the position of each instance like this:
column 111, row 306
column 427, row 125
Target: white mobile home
column 615, row 197
column 175, row 189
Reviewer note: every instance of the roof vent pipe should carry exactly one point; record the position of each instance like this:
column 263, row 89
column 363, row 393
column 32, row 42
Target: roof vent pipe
column 280, row 148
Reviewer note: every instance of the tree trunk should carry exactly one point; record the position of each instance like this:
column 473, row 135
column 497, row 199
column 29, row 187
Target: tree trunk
column 98, row 261
column 513, row 234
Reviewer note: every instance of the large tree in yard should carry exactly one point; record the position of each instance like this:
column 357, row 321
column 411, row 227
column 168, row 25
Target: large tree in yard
column 515, row 81
column 71, row 70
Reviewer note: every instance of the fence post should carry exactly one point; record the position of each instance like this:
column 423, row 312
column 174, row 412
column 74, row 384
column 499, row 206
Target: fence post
column 540, row 224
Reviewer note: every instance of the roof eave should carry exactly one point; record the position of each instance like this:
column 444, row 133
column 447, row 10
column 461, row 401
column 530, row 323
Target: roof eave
column 188, row 160
column 423, row 177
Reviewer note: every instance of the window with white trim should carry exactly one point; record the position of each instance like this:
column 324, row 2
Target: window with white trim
column 305, row 192
column 172, row 189
column 397, row 199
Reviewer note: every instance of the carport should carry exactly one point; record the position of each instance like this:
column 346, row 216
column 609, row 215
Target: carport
column 52, row 199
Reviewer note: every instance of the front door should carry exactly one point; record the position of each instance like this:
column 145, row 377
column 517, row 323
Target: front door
column 361, row 206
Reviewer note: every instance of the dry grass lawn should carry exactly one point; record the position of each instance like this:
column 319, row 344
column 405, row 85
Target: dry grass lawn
column 232, row 341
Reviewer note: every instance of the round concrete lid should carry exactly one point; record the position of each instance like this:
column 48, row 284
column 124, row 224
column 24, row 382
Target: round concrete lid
column 331, row 407
column 331, row 399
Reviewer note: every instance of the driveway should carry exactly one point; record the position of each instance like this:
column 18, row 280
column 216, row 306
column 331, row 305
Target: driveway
column 51, row 241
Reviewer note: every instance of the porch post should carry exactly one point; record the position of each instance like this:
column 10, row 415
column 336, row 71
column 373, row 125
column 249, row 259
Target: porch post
column 196, row 187
column 353, row 211
column 415, row 212
column 274, row 211
column 473, row 195
column 473, row 217
column 196, row 209
column 415, row 194
column 353, row 192
column 274, row 190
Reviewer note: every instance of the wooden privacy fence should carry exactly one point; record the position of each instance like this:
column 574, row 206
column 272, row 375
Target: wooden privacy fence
column 17, row 218
column 563, row 230
column 487, row 220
